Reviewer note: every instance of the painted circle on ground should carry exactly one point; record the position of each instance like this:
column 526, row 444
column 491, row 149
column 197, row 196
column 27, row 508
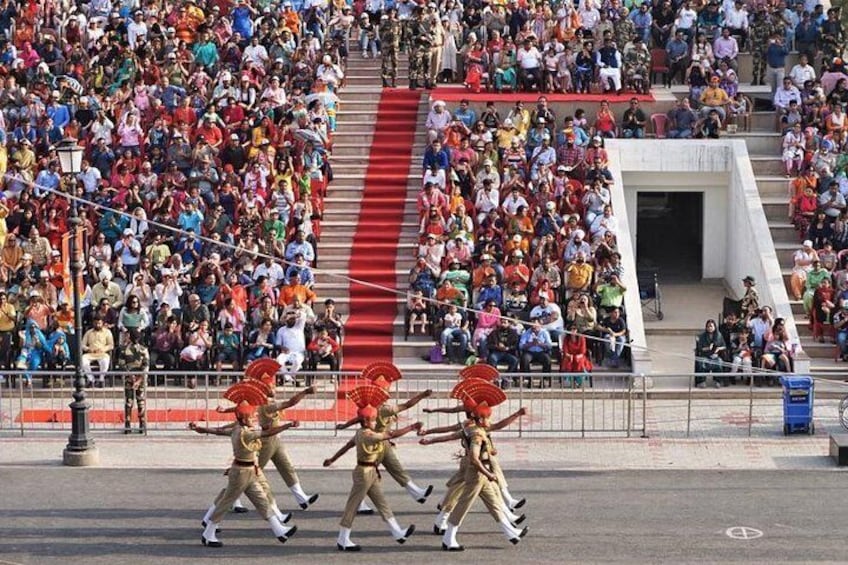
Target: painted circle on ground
column 743, row 533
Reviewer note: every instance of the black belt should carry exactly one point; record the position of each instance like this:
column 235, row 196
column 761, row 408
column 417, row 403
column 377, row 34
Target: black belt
column 371, row 464
column 238, row 463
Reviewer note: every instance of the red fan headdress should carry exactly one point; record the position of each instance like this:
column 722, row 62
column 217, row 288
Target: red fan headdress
column 264, row 369
column 367, row 398
column 245, row 410
column 252, row 392
column 381, row 369
column 478, row 397
column 480, row 371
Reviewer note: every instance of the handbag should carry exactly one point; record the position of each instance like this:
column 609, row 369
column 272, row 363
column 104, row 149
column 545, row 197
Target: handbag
column 436, row 354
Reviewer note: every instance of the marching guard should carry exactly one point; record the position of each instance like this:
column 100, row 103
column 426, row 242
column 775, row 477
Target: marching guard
column 245, row 476
column 370, row 446
column 478, row 398
column 383, row 374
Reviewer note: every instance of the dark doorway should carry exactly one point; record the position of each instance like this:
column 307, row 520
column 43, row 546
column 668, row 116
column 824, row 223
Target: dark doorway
column 669, row 235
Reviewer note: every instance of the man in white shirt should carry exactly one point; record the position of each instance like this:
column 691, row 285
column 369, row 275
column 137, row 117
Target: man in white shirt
column 685, row 21
column 488, row 199
column 291, row 342
column 438, row 120
column 271, row 271
column 736, row 19
column 136, row 30
column 90, row 177
column 802, row 72
column 782, row 96
column 513, row 202
column 530, row 65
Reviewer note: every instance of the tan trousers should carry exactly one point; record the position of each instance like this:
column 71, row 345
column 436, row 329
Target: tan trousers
column 273, row 450
column 392, row 465
column 366, row 482
column 243, row 480
column 476, row 485
column 435, row 62
column 457, row 481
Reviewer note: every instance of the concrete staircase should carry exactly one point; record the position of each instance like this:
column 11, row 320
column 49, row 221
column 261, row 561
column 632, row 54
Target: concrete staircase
column 764, row 148
column 350, row 159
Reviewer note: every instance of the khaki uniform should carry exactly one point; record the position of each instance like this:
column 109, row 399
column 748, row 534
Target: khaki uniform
column 366, row 477
column 245, row 476
column 475, row 483
column 457, row 481
column 386, row 418
column 272, row 448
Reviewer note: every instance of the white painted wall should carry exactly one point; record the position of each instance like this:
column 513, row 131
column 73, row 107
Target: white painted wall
column 737, row 239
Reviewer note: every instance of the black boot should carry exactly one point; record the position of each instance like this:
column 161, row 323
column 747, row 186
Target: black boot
column 394, row 83
column 413, row 84
column 385, row 83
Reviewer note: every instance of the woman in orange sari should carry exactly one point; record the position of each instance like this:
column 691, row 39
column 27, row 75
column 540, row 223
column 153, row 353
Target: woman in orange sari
column 575, row 355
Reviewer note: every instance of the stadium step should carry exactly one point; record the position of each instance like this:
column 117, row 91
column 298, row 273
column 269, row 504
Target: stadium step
column 767, row 165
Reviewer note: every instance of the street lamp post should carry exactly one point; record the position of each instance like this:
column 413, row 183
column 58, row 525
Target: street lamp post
column 80, row 451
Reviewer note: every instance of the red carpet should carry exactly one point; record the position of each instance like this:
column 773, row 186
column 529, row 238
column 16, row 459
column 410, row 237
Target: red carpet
column 457, row 93
column 342, row 410
column 370, row 326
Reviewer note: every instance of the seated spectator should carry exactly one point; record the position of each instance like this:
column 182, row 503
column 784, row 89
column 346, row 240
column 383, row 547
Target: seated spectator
column 455, row 328
column 633, row 121
column 502, row 346
column 291, row 344
column 535, row 347
column 575, row 354
column 228, row 348
column 714, row 98
column 614, row 330
column 709, row 353
column 324, row 349
column 97, row 346
column 709, row 127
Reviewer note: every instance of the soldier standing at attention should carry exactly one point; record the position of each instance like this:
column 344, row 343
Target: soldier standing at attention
column 479, row 478
column 390, row 31
column 366, row 475
column 134, row 357
column 244, row 476
column 421, row 40
column 382, row 374
column 265, row 370
column 761, row 31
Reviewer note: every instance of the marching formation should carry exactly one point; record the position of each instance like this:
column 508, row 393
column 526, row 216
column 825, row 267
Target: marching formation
column 255, row 441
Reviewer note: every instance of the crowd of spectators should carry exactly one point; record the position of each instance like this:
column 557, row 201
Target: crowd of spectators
column 206, row 126
column 517, row 225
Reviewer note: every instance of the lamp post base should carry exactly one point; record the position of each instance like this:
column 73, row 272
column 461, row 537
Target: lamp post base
column 88, row 458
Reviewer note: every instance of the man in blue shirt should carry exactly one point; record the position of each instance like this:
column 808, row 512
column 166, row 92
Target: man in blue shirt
column 436, row 154
column 301, row 246
column 59, row 112
column 190, row 219
column 775, row 62
column 465, row 114
column 47, row 179
column 535, row 347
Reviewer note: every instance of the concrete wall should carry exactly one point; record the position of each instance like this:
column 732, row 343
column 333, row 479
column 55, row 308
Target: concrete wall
column 736, row 234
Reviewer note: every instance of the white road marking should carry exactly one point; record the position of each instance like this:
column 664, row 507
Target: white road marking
column 743, row 533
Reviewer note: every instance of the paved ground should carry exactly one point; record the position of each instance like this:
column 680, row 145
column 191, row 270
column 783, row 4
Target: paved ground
column 135, row 516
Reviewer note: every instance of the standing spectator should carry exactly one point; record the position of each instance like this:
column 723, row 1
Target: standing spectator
column 776, row 54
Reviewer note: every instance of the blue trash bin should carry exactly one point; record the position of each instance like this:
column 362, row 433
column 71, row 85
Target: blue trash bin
column 798, row 395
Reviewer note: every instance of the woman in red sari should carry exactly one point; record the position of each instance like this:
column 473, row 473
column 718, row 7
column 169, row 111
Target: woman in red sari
column 605, row 121
column 475, row 63
column 822, row 308
column 575, row 356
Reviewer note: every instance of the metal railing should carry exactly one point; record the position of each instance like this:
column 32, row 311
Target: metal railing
column 557, row 404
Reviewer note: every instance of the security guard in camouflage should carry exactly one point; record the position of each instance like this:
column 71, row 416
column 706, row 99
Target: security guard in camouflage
column 134, row 357
column 419, row 52
column 390, row 34
column 760, row 32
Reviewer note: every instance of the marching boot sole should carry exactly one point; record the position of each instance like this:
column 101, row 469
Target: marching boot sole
column 514, row 541
column 309, row 502
column 452, row 548
column 519, row 504
column 241, row 510
column 348, row 547
column 519, row 520
column 409, row 531
column 285, row 538
column 207, row 543
column 369, row 512
column 437, row 531
column 427, row 492
column 287, row 518
column 217, row 529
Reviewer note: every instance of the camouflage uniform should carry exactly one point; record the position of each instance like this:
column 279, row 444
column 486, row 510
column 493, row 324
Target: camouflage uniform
column 759, row 35
column 637, row 61
column 421, row 37
column 624, row 32
column 135, row 357
column 390, row 32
